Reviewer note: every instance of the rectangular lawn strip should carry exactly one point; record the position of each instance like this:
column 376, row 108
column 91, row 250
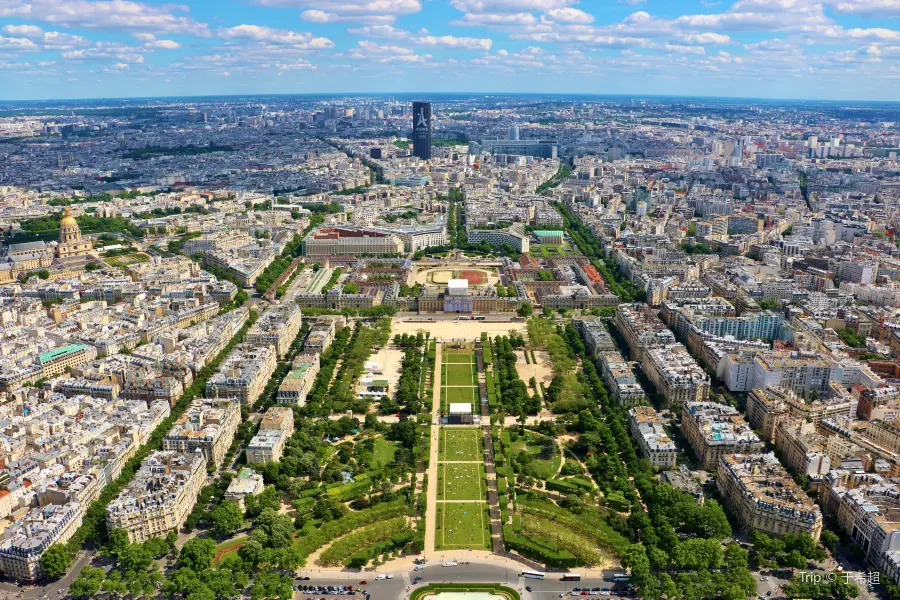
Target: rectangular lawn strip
column 462, row 525
column 461, row 481
column 461, row 394
column 460, row 444
column 459, row 375
column 456, row 359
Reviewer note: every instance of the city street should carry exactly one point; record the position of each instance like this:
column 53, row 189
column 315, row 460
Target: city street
column 474, row 572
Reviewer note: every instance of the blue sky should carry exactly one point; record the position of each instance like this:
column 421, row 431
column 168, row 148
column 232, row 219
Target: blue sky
column 823, row 49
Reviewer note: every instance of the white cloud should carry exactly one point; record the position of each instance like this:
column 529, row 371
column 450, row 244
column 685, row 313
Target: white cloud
column 449, row 41
column 268, row 35
column 495, row 20
column 48, row 40
column 386, row 53
column 54, row 40
column 340, row 11
column 17, row 44
column 761, row 15
column 26, row 31
column 773, row 45
column 367, row 48
column 879, row 34
column 505, row 6
column 569, row 15
column 705, row 39
column 300, row 64
column 163, row 45
column 876, row 9
column 681, row 49
column 115, row 15
column 319, row 16
column 380, row 31
column 633, row 2
column 106, row 51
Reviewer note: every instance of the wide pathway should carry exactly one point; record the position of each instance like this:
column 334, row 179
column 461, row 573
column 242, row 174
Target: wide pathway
column 490, row 467
column 431, row 496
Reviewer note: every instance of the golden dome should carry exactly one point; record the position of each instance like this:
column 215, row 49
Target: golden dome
column 68, row 221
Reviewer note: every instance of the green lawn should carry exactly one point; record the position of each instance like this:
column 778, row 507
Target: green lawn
column 458, row 375
column 458, row 358
column 461, row 525
column 461, row 394
column 460, row 444
column 543, row 468
column 548, row 250
column 384, row 451
column 123, row 260
column 461, row 481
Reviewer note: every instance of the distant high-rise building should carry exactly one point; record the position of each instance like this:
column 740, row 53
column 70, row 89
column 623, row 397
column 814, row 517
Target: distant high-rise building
column 513, row 133
column 422, row 130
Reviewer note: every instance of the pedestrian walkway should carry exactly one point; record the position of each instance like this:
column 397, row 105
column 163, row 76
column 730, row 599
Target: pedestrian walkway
column 490, row 468
column 431, row 495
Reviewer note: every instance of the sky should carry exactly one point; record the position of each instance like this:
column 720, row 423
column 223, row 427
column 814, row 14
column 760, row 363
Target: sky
column 805, row 49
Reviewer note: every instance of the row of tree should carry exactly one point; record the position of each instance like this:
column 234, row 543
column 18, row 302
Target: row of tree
column 512, row 391
column 589, row 245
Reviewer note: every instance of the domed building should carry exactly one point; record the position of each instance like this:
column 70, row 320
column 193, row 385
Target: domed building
column 70, row 241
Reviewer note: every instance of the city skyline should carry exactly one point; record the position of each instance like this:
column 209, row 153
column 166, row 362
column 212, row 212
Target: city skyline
column 780, row 49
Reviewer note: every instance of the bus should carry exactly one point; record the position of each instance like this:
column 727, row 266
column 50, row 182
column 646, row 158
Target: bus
column 622, row 577
column 479, row 318
column 570, row 577
column 532, row 574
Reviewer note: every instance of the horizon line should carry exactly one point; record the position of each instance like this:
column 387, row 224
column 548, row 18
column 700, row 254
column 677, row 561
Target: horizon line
column 463, row 94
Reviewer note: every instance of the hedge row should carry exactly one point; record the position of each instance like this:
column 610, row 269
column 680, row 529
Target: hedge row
column 542, row 551
column 334, row 529
column 356, row 541
column 489, row 588
column 563, row 487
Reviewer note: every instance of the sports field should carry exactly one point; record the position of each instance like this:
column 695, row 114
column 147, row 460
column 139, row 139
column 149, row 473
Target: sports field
column 463, row 525
column 460, row 445
column 461, row 481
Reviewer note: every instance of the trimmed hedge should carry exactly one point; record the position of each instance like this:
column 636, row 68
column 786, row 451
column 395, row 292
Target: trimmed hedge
column 563, row 487
column 542, row 551
column 490, row 588
column 334, row 529
column 360, row 545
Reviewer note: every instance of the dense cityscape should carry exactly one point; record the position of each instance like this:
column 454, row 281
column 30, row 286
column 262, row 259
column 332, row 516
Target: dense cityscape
column 485, row 347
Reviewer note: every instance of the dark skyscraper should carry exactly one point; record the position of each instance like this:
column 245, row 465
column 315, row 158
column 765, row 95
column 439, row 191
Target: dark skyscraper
column 422, row 130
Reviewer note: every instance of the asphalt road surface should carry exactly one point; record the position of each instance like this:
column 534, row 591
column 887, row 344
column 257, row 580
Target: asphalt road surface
column 401, row 585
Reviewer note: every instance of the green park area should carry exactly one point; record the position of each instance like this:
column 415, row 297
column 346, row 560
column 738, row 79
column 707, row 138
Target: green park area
column 459, row 377
column 462, row 444
column 459, row 374
column 537, row 454
column 461, row 481
column 463, row 525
